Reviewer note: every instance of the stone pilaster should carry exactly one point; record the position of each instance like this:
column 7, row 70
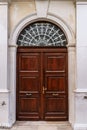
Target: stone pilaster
column 81, row 68
column 4, row 92
column 71, row 80
column 12, row 83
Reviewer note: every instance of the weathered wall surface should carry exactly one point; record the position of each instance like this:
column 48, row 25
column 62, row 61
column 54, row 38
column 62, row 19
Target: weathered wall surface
column 18, row 11
column 63, row 9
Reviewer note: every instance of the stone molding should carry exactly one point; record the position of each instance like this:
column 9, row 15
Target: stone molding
column 81, row 94
column 5, row 125
column 80, row 90
column 81, row 2
column 4, row 91
column 73, row 45
column 80, row 126
column 3, row 3
column 51, row 18
column 13, row 45
column 64, row 26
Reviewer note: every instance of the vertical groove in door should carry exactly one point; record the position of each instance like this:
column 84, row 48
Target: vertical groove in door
column 42, row 77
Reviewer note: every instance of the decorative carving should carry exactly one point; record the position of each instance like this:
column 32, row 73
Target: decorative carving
column 42, row 34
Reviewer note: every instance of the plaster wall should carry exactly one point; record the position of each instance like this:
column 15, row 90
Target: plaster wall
column 3, row 46
column 4, row 92
column 81, row 75
column 63, row 9
column 18, row 11
column 82, row 45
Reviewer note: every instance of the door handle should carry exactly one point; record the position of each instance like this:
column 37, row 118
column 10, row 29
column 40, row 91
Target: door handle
column 55, row 94
column 44, row 89
column 28, row 94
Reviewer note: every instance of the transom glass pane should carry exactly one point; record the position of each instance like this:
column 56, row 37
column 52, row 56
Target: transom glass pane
column 42, row 34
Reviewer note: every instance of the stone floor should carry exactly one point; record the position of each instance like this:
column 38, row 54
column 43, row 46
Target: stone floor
column 40, row 125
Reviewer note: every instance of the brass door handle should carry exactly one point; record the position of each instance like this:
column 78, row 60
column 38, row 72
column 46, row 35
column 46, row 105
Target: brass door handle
column 28, row 94
column 55, row 94
column 44, row 89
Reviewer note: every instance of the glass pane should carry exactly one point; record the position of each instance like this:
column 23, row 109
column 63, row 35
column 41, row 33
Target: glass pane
column 42, row 34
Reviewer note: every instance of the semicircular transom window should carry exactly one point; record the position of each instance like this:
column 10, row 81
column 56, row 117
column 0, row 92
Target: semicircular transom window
column 42, row 34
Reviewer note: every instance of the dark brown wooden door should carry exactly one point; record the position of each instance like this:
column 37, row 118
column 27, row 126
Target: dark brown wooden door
column 42, row 89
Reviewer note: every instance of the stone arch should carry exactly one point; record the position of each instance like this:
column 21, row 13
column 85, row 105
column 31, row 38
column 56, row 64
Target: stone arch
column 50, row 18
column 42, row 33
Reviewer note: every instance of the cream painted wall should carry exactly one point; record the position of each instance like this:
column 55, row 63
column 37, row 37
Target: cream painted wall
column 63, row 9
column 18, row 11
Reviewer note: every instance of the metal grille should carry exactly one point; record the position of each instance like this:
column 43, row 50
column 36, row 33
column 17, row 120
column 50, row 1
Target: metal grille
column 42, row 34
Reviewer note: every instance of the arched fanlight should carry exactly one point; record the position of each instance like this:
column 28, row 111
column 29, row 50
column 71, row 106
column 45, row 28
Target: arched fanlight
column 42, row 34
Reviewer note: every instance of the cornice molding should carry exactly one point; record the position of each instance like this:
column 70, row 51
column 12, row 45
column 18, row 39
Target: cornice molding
column 81, row 2
column 4, row 91
column 3, row 2
column 13, row 46
column 80, row 90
column 9, row 1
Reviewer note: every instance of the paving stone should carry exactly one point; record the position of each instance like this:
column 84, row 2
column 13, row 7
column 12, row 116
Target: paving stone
column 40, row 125
column 47, row 127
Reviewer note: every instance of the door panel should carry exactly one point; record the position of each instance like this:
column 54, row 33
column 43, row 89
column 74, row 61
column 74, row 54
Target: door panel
column 29, row 82
column 55, row 107
column 55, row 83
column 55, row 62
column 29, row 105
column 55, row 104
column 42, row 88
column 29, row 62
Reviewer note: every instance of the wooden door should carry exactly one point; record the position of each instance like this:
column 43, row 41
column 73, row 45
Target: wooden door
column 42, row 89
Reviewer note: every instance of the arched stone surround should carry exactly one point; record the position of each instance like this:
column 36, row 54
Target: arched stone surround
column 12, row 60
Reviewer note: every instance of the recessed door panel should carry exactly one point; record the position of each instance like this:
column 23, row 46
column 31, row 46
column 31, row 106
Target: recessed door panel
column 28, row 88
column 29, row 105
column 55, row 83
column 29, row 83
column 55, row 62
column 55, row 107
column 29, row 62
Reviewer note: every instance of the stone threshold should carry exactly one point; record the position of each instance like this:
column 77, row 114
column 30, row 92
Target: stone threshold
column 27, row 123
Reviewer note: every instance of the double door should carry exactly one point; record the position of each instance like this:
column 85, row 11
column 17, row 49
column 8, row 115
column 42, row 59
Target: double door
column 42, row 89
